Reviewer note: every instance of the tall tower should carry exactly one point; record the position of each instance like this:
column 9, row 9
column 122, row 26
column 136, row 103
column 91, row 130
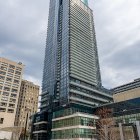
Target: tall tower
column 71, row 66
column 71, row 77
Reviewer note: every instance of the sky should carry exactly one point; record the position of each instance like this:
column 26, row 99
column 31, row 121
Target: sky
column 23, row 27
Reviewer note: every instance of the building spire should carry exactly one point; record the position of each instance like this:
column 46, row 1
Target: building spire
column 85, row 1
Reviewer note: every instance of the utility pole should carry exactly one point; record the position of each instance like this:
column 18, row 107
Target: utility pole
column 24, row 138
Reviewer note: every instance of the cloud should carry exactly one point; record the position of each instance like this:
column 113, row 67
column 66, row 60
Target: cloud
column 23, row 26
column 117, row 26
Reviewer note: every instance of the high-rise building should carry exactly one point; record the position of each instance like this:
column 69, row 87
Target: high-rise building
column 71, row 67
column 71, row 76
column 27, row 104
column 10, row 81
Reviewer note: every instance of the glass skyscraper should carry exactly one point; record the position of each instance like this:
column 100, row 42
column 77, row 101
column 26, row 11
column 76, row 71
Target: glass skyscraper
column 71, row 67
column 71, row 86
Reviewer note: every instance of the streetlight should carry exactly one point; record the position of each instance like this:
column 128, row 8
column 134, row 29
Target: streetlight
column 27, row 109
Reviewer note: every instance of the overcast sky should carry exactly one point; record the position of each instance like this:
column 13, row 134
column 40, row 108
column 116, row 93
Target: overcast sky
column 23, row 25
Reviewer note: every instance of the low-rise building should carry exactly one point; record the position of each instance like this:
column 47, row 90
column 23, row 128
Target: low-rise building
column 27, row 104
column 127, row 91
column 126, row 118
column 72, row 121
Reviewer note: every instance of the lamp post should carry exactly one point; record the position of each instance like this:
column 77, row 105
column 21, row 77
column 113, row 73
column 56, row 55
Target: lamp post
column 27, row 109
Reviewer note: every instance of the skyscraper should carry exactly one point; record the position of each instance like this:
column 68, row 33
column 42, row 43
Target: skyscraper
column 71, row 85
column 71, row 67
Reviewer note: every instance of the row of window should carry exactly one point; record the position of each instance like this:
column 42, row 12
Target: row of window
column 5, row 99
column 74, row 133
column 7, row 94
column 9, row 79
column 70, row 111
column 3, row 104
column 8, row 111
column 74, row 121
column 5, row 65
column 9, row 70
column 8, row 89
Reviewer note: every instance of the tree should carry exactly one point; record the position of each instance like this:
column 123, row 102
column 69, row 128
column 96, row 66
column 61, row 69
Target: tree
column 106, row 129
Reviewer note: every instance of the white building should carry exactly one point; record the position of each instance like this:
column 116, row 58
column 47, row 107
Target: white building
column 10, row 81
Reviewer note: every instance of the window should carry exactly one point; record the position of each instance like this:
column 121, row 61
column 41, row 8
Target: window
column 1, row 120
column 18, row 68
column 4, row 64
column 5, row 94
column 10, row 75
column 3, row 104
column 6, row 89
column 10, row 70
column 2, row 109
column 4, row 98
column 0, row 87
column 10, row 111
column 11, row 105
column 3, row 73
column 3, row 68
column 12, row 100
column 9, row 79
column 13, row 95
column 2, row 77
column 18, row 73
column 16, row 81
column 11, row 66
column 14, row 90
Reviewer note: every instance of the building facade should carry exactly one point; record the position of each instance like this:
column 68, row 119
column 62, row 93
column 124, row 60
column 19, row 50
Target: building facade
column 10, row 81
column 73, row 122
column 71, row 66
column 27, row 104
column 127, row 91
column 125, row 116
column 71, row 72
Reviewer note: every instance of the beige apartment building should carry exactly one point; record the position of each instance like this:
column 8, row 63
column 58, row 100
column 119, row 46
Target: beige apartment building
column 10, row 81
column 27, row 103
column 127, row 91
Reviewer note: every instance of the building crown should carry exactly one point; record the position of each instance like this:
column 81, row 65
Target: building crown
column 85, row 1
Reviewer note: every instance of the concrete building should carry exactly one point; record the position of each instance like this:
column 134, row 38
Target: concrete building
column 27, row 103
column 127, row 91
column 10, row 81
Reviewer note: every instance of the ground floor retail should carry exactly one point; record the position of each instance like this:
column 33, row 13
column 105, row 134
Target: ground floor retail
column 76, row 122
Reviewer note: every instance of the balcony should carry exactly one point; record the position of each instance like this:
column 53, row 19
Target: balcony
column 42, row 122
column 41, row 131
column 90, row 96
column 91, row 89
column 83, row 101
